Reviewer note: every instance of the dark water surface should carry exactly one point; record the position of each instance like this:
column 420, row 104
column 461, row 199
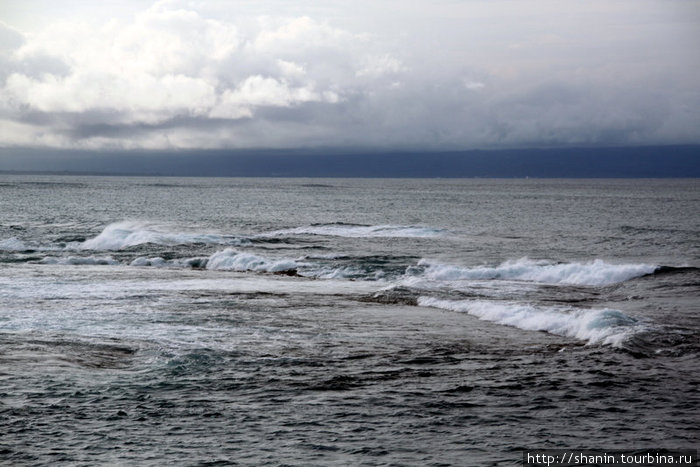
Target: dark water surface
column 345, row 321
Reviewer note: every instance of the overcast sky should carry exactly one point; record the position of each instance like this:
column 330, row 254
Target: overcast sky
column 424, row 75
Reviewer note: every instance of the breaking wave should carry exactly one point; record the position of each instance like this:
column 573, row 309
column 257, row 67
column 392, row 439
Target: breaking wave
column 12, row 244
column 605, row 326
column 340, row 229
column 81, row 260
column 593, row 273
column 120, row 235
column 232, row 260
column 126, row 234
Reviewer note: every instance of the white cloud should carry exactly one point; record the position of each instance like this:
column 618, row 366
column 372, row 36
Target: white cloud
column 291, row 69
column 142, row 98
column 474, row 85
column 10, row 38
column 456, row 75
column 295, row 36
column 385, row 64
column 170, row 62
column 259, row 91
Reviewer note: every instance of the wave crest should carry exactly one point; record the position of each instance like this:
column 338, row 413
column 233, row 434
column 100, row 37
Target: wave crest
column 81, row 260
column 120, row 235
column 592, row 273
column 603, row 326
column 233, row 260
column 358, row 231
column 12, row 244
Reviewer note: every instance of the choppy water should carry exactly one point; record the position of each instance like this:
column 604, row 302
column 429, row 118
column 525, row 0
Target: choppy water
column 345, row 322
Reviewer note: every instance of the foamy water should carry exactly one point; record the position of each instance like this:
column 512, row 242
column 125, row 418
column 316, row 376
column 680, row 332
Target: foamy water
column 593, row 325
column 360, row 231
column 381, row 322
column 595, row 272
column 125, row 234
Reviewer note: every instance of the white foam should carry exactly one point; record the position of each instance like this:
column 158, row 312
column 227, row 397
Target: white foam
column 594, row 273
column 604, row 326
column 81, row 260
column 131, row 233
column 356, row 231
column 345, row 272
column 12, row 244
column 233, row 260
column 230, row 260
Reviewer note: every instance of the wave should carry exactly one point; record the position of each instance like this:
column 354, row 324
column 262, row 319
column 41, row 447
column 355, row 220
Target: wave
column 340, row 229
column 126, row 234
column 604, row 326
column 351, row 272
column 81, row 260
column 226, row 260
column 13, row 244
column 592, row 273
column 232, row 260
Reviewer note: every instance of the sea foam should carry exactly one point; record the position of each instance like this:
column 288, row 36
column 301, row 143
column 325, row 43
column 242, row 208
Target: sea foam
column 126, row 234
column 81, row 260
column 232, row 260
column 604, row 326
column 12, row 244
column 592, row 273
column 354, row 230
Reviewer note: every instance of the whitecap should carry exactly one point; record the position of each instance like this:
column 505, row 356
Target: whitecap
column 12, row 244
column 592, row 273
column 80, row 260
column 604, row 326
column 232, row 260
column 126, row 234
column 359, row 231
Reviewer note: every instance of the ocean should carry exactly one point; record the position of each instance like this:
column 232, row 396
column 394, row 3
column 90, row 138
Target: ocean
column 334, row 322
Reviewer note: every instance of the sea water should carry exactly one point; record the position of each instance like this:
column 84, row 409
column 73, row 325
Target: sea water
column 186, row 321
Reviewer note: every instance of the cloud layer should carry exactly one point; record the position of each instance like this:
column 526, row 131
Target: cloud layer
column 451, row 76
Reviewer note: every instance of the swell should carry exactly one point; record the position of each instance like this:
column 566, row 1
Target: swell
column 127, row 234
column 423, row 274
column 340, row 229
column 592, row 273
column 604, row 326
column 13, row 244
column 230, row 259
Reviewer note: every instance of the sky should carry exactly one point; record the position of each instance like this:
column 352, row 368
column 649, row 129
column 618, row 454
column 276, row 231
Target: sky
column 439, row 75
